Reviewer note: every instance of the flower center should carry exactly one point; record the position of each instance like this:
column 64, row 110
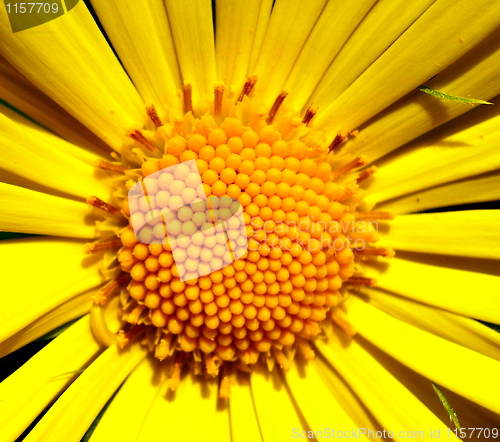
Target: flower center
column 247, row 235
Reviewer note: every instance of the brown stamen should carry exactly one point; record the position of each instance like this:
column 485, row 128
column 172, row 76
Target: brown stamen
column 218, row 94
column 100, row 204
column 366, row 174
column 359, row 280
column 123, row 338
column 162, row 348
column 224, row 390
column 339, row 319
column 212, row 364
column 281, row 359
column 92, row 247
column 175, row 376
column 151, row 110
column 354, row 164
column 305, row 348
column 104, row 165
column 107, row 290
column 247, row 87
column 337, row 141
column 188, row 99
column 275, row 107
column 367, row 237
column 373, row 216
column 374, row 251
column 309, row 115
column 137, row 136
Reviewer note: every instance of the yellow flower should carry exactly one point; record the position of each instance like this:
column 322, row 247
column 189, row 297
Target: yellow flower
column 334, row 82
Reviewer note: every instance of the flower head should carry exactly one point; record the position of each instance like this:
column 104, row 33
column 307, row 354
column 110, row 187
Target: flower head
column 218, row 221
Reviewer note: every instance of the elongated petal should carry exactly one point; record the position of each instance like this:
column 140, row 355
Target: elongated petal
column 234, row 38
column 444, row 33
column 72, row 350
column 399, row 410
column 276, row 412
column 473, row 75
column 244, row 423
column 468, row 233
column 165, row 411
column 13, row 122
column 471, row 190
column 122, row 420
column 87, row 395
column 384, row 24
column 26, row 211
column 306, row 383
column 468, row 293
column 455, row 328
column 36, row 155
column 322, row 46
column 62, row 314
column 77, row 69
column 19, row 92
column 57, row 270
column 192, row 31
column 290, row 25
column 211, row 410
column 441, row 158
column 473, row 376
column 146, row 49
column 346, row 397
column 260, row 32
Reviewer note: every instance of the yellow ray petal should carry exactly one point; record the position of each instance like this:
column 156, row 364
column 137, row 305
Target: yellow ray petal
column 346, row 397
column 26, row 211
column 74, row 411
column 321, row 48
column 146, row 49
column 468, row 233
column 266, row 7
column 444, row 287
column 478, row 189
column 444, row 157
column 234, row 39
column 77, row 69
column 48, row 373
column 244, row 423
column 305, row 383
column 57, row 271
column 62, row 314
column 192, row 30
column 13, row 122
column 19, row 92
column 469, row 413
column 443, row 34
column 278, row 417
column 45, row 159
column 455, row 328
column 165, row 412
column 290, row 25
column 125, row 415
column 201, row 399
column 473, row 75
column 394, row 406
column 464, row 371
column 385, row 22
